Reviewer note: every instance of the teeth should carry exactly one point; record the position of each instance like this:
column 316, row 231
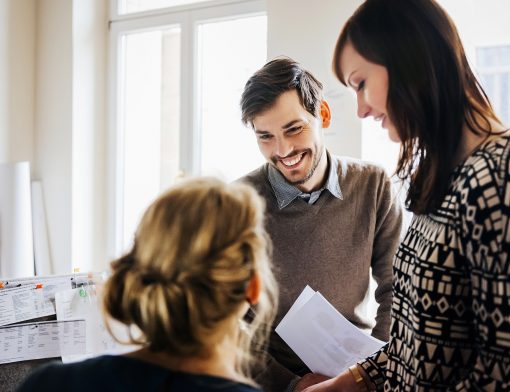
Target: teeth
column 379, row 118
column 292, row 161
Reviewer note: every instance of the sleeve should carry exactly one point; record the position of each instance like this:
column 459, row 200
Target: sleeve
column 375, row 367
column 485, row 211
column 386, row 239
column 274, row 377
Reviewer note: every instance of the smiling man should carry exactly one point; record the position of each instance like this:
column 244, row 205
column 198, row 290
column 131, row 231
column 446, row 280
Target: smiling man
column 332, row 220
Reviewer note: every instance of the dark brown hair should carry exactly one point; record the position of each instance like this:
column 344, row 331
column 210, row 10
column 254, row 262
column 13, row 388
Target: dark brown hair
column 432, row 91
column 272, row 80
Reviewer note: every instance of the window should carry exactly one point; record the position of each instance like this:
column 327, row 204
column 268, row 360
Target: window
column 493, row 64
column 225, row 143
column 177, row 78
column 130, row 6
column 373, row 136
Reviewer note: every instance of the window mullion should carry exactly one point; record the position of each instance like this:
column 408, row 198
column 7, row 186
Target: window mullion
column 187, row 135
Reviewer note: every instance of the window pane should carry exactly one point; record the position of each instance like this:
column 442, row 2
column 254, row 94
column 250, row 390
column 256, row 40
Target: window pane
column 229, row 53
column 377, row 147
column 493, row 67
column 505, row 98
column 149, row 126
column 129, row 6
column 493, row 56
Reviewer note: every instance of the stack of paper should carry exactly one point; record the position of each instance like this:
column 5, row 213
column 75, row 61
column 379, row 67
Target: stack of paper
column 78, row 332
column 324, row 339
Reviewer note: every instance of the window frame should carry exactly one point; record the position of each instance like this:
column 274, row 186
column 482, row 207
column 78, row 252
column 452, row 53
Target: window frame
column 188, row 17
column 494, row 70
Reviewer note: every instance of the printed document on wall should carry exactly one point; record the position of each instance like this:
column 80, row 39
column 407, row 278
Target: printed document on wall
column 84, row 302
column 47, row 339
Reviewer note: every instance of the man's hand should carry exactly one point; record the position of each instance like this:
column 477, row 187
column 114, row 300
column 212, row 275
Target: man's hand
column 308, row 380
column 318, row 383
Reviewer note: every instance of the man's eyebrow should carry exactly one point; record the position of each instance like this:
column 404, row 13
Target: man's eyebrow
column 291, row 123
column 261, row 131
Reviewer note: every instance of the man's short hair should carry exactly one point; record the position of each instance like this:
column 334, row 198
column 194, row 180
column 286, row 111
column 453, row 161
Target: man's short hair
column 272, row 80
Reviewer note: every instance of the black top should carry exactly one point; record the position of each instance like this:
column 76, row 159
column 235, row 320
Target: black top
column 118, row 373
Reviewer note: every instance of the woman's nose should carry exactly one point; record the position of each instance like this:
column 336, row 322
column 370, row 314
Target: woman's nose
column 363, row 108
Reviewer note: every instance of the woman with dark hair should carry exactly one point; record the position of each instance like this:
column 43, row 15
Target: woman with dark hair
column 450, row 326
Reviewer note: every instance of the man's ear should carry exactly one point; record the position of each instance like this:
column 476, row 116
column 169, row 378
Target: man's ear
column 325, row 114
column 254, row 289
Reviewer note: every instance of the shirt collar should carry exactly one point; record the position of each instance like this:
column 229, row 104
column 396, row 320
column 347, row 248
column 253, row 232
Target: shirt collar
column 285, row 193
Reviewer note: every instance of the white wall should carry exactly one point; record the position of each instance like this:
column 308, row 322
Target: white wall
column 70, row 128
column 470, row 15
column 17, row 52
column 53, row 118
column 307, row 31
column 90, row 36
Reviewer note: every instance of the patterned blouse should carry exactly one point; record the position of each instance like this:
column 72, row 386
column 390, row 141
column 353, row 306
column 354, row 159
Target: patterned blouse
column 450, row 327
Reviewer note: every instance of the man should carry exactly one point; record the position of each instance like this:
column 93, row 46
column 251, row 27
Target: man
column 331, row 219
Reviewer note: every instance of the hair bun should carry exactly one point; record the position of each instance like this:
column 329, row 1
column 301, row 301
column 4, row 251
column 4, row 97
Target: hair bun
column 150, row 277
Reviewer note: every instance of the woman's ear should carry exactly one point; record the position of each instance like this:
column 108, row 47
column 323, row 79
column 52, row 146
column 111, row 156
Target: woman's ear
column 325, row 114
column 254, row 289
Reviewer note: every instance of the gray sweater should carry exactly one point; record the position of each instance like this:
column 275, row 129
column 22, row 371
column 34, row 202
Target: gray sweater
column 332, row 244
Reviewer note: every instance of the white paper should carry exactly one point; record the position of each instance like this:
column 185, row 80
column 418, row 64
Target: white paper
column 46, row 280
column 40, row 232
column 303, row 298
column 42, row 340
column 83, row 302
column 323, row 338
column 16, row 244
column 29, row 301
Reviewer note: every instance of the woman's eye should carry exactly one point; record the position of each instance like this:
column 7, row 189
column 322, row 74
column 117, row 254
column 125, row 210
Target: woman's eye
column 361, row 85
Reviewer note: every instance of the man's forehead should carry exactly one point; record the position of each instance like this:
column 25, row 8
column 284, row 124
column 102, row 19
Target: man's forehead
column 286, row 109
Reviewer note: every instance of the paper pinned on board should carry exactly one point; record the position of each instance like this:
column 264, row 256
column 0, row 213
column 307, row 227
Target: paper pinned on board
column 30, row 301
column 46, row 339
column 83, row 302
column 322, row 337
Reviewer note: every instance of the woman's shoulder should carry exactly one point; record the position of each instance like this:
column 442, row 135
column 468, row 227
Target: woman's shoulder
column 120, row 373
column 488, row 163
column 61, row 375
column 101, row 373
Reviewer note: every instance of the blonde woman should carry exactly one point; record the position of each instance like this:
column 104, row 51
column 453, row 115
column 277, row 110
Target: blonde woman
column 199, row 260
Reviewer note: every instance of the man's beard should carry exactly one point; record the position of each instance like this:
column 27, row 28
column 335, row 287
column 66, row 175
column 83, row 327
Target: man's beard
column 315, row 163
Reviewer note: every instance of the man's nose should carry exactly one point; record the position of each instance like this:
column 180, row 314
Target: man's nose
column 283, row 147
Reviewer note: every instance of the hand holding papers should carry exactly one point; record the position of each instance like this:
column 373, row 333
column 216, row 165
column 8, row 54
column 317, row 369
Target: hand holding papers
column 324, row 339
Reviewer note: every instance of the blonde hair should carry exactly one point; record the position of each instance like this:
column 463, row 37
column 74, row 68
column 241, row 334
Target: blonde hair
column 195, row 252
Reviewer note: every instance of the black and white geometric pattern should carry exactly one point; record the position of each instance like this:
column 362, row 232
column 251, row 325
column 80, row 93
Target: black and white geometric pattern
column 450, row 325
